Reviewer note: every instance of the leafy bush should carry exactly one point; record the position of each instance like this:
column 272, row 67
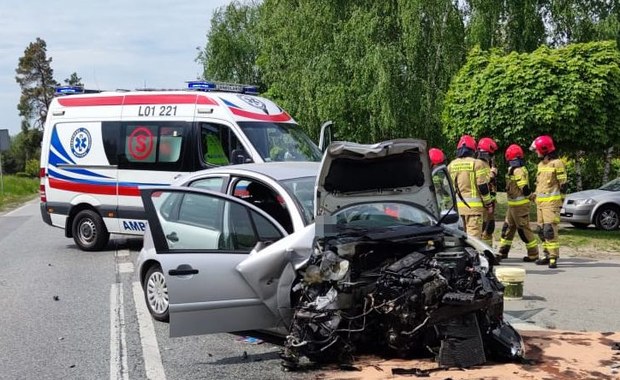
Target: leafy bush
column 32, row 168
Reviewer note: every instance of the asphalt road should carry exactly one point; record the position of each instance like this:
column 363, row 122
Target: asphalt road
column 68, row 314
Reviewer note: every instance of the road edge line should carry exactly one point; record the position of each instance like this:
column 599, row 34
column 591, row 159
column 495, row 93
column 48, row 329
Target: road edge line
column 150, row 349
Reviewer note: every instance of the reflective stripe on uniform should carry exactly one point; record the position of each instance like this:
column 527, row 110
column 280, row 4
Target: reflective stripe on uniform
column 532, row 244
column 505, row 242
column 471, row 204
column 548, row 197
column 518, row 201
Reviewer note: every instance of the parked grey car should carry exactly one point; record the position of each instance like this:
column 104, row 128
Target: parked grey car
column 381, row 265
column 600, row 207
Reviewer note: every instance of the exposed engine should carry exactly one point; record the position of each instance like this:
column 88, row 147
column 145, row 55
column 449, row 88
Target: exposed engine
column 408, row 291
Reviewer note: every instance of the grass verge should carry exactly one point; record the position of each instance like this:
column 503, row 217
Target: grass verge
column 17, row 190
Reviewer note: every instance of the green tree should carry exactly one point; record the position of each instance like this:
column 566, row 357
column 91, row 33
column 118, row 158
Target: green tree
column 510, row 25
column 36, row 79
column 74, row 80
column 232, row 45
column 378, row 69
column 571, row 21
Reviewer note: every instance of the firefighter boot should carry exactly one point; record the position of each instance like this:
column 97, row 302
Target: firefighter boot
column 553, row 262
column 543, row 260
column 528, row 259
column 503, row 251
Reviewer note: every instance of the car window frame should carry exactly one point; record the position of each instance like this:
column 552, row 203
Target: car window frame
column 157, row 232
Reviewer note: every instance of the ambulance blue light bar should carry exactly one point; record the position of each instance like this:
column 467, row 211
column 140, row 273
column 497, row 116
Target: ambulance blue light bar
column 68, row 90
column 226, row 87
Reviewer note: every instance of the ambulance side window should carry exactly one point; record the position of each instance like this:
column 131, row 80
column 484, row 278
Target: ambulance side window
column 152, row 145
column 111, row 133
column 220, row 146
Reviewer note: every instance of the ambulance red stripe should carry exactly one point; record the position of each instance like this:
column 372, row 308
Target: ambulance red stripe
column 258, row 116
column 93, row 189
column 118, row 100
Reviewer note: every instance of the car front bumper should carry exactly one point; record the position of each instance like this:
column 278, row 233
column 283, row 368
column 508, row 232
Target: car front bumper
column 576, row 214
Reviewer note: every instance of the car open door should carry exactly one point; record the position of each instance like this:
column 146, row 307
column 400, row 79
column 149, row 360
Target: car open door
column 326, row 135
column 200, row 238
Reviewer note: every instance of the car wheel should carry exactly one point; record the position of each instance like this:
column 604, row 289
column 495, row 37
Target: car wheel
column 156, row 293
column 607, row 218
column 581, row 226
column 89, row 231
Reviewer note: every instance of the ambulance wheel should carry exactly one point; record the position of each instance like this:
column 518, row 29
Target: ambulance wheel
column 156, row 293
column 89, row 231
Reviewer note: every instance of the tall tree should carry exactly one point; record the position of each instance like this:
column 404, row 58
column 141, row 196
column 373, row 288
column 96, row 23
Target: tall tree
column 572, row 21
column 74, row 80
column 232, row 45
column 511, row 25
column 378, row 69
column 36, row 79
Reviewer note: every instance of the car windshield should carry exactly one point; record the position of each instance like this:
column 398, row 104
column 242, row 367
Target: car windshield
column 302, row 190
column 612, row 185
column 280, row 141
column 383, row 214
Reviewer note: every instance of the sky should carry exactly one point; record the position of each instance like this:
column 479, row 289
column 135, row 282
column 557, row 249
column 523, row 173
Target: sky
column 110, row 44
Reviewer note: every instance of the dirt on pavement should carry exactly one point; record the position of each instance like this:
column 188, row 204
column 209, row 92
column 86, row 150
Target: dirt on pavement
column 550, row 354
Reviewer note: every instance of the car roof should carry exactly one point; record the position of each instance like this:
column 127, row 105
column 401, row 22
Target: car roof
column 278, row 171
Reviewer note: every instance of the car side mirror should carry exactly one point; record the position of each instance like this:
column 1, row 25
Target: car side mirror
column 239, row 156
column 450, row 218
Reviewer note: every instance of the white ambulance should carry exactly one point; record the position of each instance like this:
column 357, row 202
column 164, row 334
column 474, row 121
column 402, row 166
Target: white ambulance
column 99, row 147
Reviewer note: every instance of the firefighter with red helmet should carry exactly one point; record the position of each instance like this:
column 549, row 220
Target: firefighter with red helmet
column 440, row 182
column 470, row 178
column 486, row 152
column 550, row 189
column 518, row 214
column 437, row 156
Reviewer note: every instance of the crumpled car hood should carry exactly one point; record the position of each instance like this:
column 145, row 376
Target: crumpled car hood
column 390, row 171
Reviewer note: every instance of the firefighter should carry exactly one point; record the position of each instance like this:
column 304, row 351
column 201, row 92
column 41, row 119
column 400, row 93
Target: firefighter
column 442, row 186
column 437, row 156
column 550, row 189
column 486, row 152
column 470, row 179
column 518, row 214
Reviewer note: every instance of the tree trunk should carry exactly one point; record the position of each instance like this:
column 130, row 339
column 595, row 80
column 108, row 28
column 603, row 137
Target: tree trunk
column 607, row 166
column 578, row 178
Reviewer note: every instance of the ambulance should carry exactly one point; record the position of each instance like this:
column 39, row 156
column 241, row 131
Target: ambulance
column 99, row 147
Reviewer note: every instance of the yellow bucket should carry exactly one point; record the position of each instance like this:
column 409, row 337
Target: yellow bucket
column 512, row 279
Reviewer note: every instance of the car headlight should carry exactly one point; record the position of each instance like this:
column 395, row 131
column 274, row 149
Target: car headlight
column 584, row 202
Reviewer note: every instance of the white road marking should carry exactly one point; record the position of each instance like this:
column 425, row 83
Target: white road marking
column 122, row 253
column 16, row 210
column 150, row 349
column 118, row 344
column 125, row 267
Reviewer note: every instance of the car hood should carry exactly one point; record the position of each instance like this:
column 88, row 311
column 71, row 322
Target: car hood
column 594, row 193
column 390, row 171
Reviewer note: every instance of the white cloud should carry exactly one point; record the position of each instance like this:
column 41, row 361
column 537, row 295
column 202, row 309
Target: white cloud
column 109, row 43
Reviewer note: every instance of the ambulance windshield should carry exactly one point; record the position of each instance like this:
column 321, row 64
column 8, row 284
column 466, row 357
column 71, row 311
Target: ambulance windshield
column 280, row 141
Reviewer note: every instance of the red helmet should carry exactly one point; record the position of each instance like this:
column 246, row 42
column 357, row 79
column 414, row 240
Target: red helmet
column 467, row 141
column 487, row 144
column 543, row 145
column 514, row 151
column 436, row 155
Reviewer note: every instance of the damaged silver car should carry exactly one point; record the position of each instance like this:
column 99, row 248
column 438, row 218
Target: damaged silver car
column 383, row 268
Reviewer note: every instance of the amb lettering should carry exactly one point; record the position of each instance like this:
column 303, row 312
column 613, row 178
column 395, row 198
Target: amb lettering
column 134, row 225
column 157, row 110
